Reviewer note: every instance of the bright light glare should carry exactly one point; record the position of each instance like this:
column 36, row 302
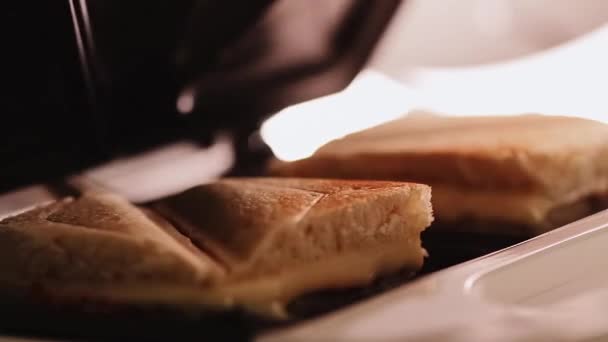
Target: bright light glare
column 371, row 99
column 568, row 80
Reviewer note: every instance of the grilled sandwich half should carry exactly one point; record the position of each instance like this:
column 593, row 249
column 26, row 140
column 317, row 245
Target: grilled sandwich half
column 252, row 243
column 521, row 175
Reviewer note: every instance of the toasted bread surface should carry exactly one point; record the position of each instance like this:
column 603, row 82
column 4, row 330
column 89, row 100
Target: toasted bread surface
column 96, row 238
column 252, row 242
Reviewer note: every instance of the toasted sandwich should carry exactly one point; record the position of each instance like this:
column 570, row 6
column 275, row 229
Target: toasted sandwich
column 252, row 243
column 519, row 175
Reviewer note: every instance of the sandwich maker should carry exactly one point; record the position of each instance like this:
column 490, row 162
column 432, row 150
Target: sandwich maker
column 146, row 98
column 90, row 81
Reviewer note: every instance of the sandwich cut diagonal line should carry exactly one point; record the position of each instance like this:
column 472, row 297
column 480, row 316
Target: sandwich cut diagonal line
column 181, row 228
column 268, row 240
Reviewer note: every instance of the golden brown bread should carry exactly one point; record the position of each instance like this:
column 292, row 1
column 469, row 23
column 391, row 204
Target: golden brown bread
column 97, row 238
column 278, row 238
column 255, row 243
column 514, row 168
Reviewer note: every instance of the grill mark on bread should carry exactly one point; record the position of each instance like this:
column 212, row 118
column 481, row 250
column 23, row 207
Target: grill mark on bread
column 172, row 230
column 203, row 244
column 199, row 246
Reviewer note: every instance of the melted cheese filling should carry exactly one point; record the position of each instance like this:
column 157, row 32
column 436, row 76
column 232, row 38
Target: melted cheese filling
column 268, row 295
